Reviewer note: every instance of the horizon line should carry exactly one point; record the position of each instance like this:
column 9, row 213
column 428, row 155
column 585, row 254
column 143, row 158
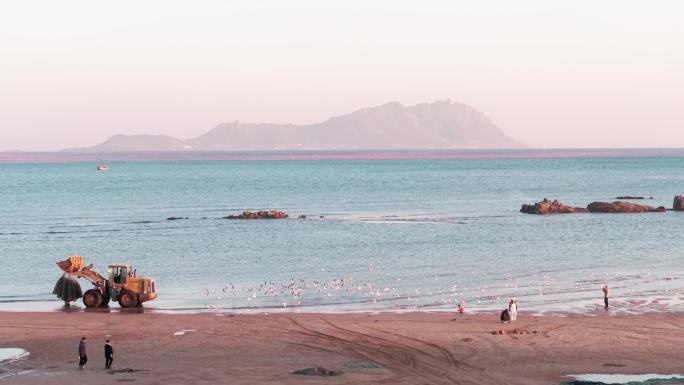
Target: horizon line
column 19, row 157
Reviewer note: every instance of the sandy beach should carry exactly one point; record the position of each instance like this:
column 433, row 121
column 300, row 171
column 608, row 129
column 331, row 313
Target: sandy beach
column 410, row 348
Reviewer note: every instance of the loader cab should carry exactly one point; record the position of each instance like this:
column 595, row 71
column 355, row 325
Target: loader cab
column 119, row 274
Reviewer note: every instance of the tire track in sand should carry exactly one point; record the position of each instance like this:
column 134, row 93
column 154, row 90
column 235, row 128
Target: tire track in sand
column 389, row 355
column 418, row 364
column 451, row 367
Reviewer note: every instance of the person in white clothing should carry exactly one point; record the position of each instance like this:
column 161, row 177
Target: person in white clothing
column 513, row 309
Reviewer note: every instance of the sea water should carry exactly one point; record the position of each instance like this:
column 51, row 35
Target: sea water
column 383, row 231
column 626, row 379
column 12, row 354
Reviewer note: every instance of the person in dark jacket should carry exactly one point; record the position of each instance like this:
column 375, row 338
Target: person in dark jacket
column 109, row 355
column 83, row 357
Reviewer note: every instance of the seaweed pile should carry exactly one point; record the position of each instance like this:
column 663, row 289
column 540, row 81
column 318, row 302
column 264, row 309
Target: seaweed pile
column 67, row 288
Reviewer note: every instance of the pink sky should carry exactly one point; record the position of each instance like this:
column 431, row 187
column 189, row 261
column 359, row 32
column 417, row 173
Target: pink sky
column 550, row 74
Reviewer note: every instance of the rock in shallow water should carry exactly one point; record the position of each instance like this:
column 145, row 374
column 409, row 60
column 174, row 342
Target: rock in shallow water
column 548, row 206
column 270, row 214
column 622, row 207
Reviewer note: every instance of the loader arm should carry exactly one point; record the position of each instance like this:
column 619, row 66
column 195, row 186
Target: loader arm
column 91, row 275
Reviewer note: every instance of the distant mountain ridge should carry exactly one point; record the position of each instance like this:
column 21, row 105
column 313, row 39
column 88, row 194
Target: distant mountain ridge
column 437, row 125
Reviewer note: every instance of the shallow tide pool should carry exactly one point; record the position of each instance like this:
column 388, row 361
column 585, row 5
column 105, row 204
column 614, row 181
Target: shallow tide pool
column 11, row 354
column 625, row 379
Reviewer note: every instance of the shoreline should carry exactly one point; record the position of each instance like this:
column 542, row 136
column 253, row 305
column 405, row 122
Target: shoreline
column 620, row 305
column 617, row 308
column 597, row 311
column 401, row 348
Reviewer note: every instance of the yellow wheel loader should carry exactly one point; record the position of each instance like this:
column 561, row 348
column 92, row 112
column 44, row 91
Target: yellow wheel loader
column 122, row 284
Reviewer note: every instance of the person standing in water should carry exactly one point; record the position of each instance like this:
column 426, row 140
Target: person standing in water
column 109, row 355
column 605, row 295
column 82, row 356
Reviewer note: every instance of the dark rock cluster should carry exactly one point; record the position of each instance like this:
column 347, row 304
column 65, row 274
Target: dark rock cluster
column 317, row 371
column 270, row 214
column 623, row 207
column 548, row 206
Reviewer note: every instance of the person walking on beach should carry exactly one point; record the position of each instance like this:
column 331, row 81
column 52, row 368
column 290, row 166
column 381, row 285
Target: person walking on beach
column 605, row 295
column 83, row 357
column 109, row 355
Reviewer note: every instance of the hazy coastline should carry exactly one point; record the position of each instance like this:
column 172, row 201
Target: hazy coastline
column 379, row 154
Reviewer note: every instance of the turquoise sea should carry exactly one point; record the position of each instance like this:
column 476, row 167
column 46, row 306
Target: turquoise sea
column 383, row 230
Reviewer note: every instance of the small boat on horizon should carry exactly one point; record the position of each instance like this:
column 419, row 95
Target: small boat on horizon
column 102, row 167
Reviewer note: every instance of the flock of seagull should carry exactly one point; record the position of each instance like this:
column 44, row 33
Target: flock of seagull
column 395, row 293
column 347, row 290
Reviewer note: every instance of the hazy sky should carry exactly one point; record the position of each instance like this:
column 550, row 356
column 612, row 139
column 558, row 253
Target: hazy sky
column 550, row 73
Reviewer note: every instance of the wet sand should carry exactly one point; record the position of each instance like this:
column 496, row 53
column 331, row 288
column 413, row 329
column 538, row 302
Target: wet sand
column 411, row 348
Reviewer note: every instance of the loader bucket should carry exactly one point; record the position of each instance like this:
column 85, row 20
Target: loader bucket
column 71, row 264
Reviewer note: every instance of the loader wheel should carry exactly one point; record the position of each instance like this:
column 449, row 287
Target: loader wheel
column 128, row 299
column 105, row 300
column 92, row 298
